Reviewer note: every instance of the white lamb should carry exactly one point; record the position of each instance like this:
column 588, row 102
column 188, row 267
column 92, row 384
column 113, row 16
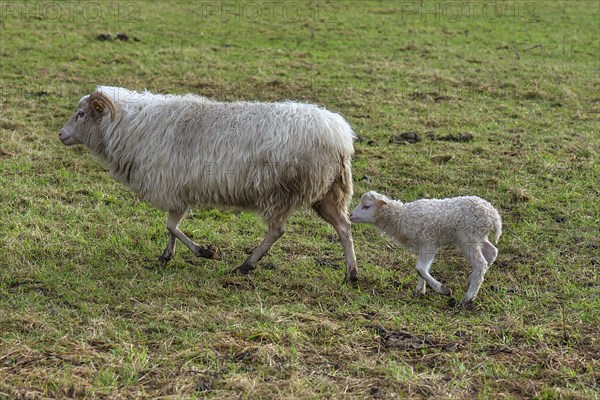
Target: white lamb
column 423, row 226
column 180, row 151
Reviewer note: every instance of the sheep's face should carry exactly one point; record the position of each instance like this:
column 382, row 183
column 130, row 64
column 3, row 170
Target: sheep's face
column 367, row 209
column 79, row 128
column 85, row 125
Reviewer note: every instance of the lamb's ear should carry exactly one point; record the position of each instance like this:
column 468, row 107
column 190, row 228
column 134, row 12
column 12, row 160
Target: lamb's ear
column 100, row 102
column 382, row 203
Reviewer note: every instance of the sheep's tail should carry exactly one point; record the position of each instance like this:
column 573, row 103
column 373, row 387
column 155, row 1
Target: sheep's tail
column 345, row 186
column 497, row 224
column 341, row 189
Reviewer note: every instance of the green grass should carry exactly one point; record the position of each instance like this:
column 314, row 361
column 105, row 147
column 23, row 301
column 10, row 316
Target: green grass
column 87, row 312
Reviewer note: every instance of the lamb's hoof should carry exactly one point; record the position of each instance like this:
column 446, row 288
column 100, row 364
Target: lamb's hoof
column 208, row 252
column 419, row 293
column 446, row 291
column 452, row 302
column 243, row 269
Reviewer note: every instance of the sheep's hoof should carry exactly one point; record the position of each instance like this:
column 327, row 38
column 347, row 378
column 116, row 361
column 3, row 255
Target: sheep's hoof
column 243, row 269
column 419, row 293
column 165, row 257
column 208, row 252
column 452, row 302
column 464, row 303
column 351, row 277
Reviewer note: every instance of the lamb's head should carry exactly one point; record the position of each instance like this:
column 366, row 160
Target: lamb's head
column 370, row 204
column 86, row 125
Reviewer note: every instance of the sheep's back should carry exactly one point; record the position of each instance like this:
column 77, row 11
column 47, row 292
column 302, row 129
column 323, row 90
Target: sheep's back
column 248, row 155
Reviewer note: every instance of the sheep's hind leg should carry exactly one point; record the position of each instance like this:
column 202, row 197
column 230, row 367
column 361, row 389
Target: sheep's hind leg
column 173, row 220
column 424, row 262
column 273, row 234
column 328, row 210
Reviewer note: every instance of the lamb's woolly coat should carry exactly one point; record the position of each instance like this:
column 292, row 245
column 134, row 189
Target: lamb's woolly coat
column 424, row 226
column 438, row 222
column 177, row 151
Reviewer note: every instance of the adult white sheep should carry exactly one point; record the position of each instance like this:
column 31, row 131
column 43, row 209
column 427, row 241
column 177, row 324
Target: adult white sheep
column 179, row 151
column 423, row 226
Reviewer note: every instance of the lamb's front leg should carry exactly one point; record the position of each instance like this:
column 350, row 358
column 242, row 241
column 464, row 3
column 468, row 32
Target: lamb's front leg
column 425, row 260
column 421, row 287
column 173, row 220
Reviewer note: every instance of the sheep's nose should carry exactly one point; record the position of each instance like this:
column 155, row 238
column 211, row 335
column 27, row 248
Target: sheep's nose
column 63, row 135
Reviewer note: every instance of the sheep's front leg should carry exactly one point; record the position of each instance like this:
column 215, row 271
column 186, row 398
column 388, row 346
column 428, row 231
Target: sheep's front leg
column 173, row 220
column 273, row 234
column 425, row 260
column 170, row 250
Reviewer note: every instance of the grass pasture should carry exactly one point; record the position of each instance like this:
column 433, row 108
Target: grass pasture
column 87, row 312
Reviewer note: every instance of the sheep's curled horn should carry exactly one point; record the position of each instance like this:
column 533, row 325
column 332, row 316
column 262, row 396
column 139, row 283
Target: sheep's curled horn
column 100, row 101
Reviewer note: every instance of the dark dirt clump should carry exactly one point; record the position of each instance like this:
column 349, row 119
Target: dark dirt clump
column 406, row 138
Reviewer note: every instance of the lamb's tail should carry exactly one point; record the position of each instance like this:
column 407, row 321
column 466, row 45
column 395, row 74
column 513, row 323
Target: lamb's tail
column 497, row 223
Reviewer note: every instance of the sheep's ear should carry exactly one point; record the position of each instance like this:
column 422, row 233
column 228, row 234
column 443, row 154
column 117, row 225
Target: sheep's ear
column 98, row 106
column 100, row 103
column 382, row 203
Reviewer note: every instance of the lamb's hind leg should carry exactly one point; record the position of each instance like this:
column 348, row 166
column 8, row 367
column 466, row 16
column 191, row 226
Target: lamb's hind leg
column 489, row 252
column 173, row 220
column 480, row 266
column 331, row 213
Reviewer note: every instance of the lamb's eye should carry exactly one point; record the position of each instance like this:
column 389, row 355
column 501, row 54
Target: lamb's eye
column 80, row 114
column 365, row 207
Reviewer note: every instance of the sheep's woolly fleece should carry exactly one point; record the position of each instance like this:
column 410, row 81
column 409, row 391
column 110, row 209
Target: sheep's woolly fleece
column 176, row 151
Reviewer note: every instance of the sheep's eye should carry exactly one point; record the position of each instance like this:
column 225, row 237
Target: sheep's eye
column 80, row 114
column 365, row 207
